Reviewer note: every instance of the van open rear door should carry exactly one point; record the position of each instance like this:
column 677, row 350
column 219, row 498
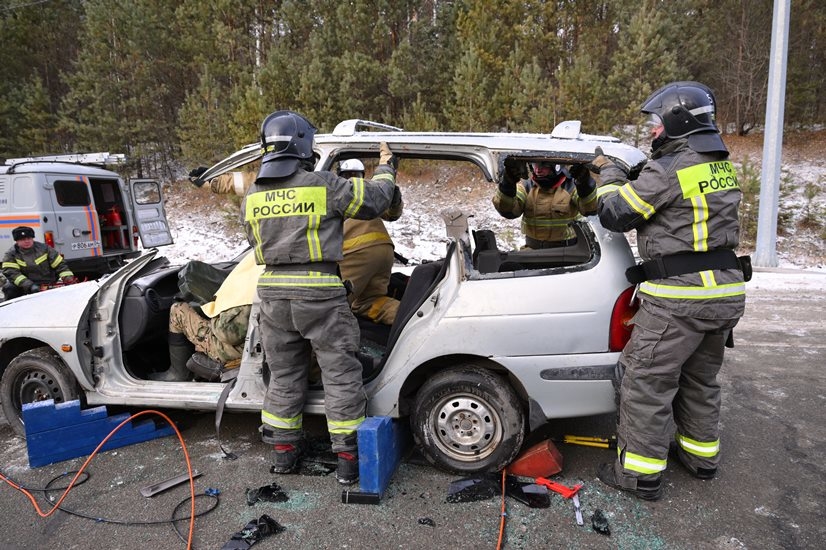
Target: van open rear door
column 150, row 215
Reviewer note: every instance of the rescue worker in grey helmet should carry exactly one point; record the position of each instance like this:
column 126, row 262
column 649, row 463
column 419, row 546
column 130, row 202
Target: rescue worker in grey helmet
column 293, row 219
column 368, row 256
column 30, row 266
column 684, row 208
column 548, row 200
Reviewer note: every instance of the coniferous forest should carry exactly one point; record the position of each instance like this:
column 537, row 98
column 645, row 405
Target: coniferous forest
column 178, row 83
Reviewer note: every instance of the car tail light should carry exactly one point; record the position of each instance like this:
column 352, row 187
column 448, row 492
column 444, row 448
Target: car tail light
column 619, row 331
column 48, row 238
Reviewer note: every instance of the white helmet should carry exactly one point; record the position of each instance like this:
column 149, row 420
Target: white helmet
column 351, row 165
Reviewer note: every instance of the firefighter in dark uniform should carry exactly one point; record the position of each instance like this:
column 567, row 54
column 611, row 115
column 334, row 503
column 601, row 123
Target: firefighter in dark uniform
column 368, row 249
column 368, row 256
column 548, row 201
column 691, row 288
column 293, row 219
column 31, row 266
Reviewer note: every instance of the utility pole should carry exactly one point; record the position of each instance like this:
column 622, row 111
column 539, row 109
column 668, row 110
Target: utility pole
column 765, row 254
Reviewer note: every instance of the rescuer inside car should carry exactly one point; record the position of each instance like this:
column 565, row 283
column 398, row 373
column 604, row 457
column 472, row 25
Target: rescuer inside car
column 691, row 288
column 368, row 256
column 293, row 219
column 31, row 266
column 548, row 201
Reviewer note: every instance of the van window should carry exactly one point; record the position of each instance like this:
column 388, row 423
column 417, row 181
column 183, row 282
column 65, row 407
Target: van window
column 147, row 192
column 71, row 193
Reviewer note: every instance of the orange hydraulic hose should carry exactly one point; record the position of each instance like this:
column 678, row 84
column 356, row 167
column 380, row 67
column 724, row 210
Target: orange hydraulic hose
column 94, row 453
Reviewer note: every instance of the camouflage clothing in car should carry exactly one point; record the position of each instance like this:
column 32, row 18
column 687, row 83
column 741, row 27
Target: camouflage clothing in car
column 220, row 338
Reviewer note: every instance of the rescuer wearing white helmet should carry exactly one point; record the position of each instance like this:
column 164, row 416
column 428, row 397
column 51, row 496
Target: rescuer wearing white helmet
column 684, row 208
column 368, row 256
column 293, row 219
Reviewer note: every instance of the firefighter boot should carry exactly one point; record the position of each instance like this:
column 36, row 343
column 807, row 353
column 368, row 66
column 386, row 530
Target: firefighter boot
column 179, row 354
column 287, row 457
column 645, row 489
column 347, row 471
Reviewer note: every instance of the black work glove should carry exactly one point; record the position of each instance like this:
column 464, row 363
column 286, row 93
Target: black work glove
column 599, row 162
column 580, row 173
column 195, row 175
column 34, row 288
column 514, row 171
column 397, row 198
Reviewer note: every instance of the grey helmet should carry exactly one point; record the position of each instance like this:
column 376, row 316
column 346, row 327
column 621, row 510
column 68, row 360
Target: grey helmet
column 687, row 109
column 286, row 141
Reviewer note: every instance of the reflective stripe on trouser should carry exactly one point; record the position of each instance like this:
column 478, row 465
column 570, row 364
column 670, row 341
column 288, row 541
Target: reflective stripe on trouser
column 198, row 330
column 671, row 365
column 290, row 330
column 368, row 270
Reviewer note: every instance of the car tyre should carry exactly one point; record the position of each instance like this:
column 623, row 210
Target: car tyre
column 34, row 375
column 468, row 420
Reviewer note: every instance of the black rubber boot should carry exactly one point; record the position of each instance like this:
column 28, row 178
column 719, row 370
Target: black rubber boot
column 645, row 490
column 180, row 350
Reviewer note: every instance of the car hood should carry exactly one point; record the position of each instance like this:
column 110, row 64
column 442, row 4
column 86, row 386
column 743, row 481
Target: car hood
column 59, row 307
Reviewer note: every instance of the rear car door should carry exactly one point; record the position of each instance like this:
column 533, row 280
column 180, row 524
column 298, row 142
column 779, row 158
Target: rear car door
column 76, row 229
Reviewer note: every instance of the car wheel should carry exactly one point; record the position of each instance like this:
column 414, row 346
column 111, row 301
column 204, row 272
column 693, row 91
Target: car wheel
column 468, row 420
column 34, row 375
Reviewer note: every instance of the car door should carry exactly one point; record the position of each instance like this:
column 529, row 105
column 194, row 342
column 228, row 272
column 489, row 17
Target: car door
column 150, row 216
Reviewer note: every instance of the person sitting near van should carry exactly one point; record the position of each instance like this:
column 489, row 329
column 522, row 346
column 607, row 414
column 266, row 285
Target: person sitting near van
column 549, row 199
column 31, row 266
column 210, row 341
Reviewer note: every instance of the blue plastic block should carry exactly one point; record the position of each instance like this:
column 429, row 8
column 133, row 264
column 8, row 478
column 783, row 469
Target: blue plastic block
column 45, row 415
column 381, row 443
column 61, row 432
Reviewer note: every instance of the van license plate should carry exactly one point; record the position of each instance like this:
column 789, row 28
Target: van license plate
column 86, row 245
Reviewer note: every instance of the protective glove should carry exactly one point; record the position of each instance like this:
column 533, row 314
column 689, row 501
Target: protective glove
column 580, row 173
column 515, row 170
column 396, row 201
column 195, row 175
column 386, row 156
column 599, row 162
column 70, row 280
column 34, row 288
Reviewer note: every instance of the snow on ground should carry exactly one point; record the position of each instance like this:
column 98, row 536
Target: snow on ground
column 206, row 227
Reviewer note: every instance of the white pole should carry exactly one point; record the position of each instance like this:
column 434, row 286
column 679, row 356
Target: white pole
column 765, row 254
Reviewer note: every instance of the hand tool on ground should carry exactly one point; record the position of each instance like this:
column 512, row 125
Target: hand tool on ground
column 155, row 488
column 566, row 492
column 602, row 442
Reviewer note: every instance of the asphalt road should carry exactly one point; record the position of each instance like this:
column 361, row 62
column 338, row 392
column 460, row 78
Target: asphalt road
column 769, row 493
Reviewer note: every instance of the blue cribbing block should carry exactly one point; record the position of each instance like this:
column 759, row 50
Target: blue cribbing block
column 60, row 432
column 381, row 443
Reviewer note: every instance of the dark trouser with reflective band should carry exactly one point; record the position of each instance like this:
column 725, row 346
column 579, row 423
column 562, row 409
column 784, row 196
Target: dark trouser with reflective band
column 671, row 366
column 290, row 330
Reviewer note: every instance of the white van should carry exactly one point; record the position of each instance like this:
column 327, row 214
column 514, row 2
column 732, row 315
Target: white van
column 89, row 214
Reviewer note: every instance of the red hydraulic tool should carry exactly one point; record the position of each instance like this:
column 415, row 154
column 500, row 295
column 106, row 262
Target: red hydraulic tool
column 566, row 492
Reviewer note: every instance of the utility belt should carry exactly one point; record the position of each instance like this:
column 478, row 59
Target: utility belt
column 672, row 265
column 330, row 268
